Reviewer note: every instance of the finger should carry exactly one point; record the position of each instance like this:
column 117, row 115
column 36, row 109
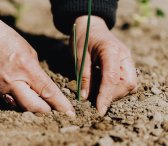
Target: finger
column 47, row 89
column 128, row 74
column 110, row 79
column 86, row 76
column 27, row 98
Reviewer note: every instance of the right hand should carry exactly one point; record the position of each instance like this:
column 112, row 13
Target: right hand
column 22, row 78
column 118, row 74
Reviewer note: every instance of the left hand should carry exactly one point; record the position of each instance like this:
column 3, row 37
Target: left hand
column 117, row 67
column 23, row 81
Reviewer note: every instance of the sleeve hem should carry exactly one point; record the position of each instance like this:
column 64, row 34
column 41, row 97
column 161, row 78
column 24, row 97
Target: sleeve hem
column 66, row 11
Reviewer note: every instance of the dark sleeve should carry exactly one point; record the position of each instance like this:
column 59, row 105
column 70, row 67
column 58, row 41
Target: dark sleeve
column 66, row 11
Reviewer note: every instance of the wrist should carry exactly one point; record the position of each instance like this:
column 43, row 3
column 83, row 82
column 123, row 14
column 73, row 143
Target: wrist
column 97, row 25
column 96, row 21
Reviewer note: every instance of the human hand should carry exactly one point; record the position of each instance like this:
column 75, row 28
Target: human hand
column 23, row 80
column 117, row 68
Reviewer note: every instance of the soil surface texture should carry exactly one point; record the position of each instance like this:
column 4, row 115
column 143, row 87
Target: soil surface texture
column 140, row 119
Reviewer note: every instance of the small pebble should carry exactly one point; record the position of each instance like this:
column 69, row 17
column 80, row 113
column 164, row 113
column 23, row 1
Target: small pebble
column 157, row 132
column 141, row 97
column 107, row 118
column 165, row 125
column 18, row 123
column 28, row 117
column 155, row 90
column 72, row 144
column 69, row 129
column 100, row 126
column 133, row 98
column 105, row 141
column 59, row 76
column 56, row 113
column 66, row 80
column 136, row 32
column 121, row 110
column 71, row 85
column 157, row 117
column 74, row 102
column 62, row 84
column 66, row 91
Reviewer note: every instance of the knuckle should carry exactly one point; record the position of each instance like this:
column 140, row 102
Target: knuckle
column 108, row 101
column 134, row 90
column 21, row 60
column 34, row 53
column 85, row 79
column 48, row 92
column 118, row 98
column 131, row 86
column 29, row 65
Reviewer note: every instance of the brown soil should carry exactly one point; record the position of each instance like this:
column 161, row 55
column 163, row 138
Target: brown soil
column 137, row 120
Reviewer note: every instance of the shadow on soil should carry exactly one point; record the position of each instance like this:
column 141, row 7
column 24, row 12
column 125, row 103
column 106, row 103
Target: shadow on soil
column 55, row 52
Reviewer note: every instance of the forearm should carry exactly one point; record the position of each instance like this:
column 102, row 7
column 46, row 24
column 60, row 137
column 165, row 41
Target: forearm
column 65, row 12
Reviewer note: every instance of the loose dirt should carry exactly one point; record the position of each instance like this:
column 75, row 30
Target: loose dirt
column 140, row 119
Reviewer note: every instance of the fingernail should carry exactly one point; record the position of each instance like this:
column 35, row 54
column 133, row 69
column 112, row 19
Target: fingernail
column 71, row 114
column 103, row 110
column 84, row 93
column 10, row 101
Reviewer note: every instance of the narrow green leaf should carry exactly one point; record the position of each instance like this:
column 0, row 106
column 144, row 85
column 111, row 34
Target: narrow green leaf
column 85, row 49
column 75, row 53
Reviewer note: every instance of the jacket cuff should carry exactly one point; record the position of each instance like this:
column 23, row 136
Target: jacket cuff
column 66, row 11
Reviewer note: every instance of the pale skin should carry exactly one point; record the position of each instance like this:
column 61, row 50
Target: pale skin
column 22, row 78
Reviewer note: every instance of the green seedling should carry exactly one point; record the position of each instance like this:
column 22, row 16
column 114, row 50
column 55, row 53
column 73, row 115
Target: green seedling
column 160, row 13
column 145, row 8
column 79, row 75
column 145, row 12
column 75, row 50
column 18, row 8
